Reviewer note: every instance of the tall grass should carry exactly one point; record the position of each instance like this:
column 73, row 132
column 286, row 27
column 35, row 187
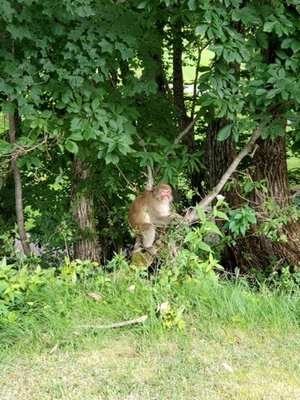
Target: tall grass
column 232, row 341
column 59, row 311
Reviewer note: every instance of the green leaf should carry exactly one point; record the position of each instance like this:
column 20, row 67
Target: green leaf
column 251, row 218
column 203, row 246
column 76, row 136
column 142, row 5
column 260, row 92
column 123, row 148
column 295, row 46
column 192, row 5
column 95, row 104
column 111, row 158
column 5, row 147
column 7, row 10
column 213, row 227
column 190, row 237
column 46, row 114
column 217, row 49
column 76, row 81
column 207, row 99
column 71, row 147
column 85, row 11
column 201, row 29
column 269, row 26
column 225, row 132
column 286, row 43
column 163, row 141
column 248, row 187
column 106, row 46
column 220, row 214
column 89, row 133
column 201, row 213
column 76, row 123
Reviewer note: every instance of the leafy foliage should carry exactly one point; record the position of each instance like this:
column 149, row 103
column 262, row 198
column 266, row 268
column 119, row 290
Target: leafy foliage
column 92, row 80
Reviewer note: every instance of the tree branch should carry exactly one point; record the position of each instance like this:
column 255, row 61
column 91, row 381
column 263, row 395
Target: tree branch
column 185, row 131
column 192, row 215
column 117, row 324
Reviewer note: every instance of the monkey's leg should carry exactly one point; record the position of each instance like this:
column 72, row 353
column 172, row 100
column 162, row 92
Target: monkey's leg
column 138, row 244
column 148, row 238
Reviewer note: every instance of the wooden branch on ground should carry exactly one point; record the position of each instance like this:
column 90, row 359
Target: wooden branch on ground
column 116, row 324
column 192, row 215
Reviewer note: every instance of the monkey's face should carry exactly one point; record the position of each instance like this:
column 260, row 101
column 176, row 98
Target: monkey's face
column 165, row 195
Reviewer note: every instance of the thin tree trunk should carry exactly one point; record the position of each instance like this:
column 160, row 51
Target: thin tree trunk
column 184, row 120
column 13, row 123
column 86, row 246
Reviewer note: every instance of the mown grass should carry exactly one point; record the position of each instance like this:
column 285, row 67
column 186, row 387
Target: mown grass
column 237, row 343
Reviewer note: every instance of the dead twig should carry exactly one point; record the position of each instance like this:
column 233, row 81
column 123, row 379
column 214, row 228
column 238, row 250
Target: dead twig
column 117, row 324
column 54, row 348
column 192, row 215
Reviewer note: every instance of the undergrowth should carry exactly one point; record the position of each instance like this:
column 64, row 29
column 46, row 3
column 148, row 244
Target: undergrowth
column 39, row 307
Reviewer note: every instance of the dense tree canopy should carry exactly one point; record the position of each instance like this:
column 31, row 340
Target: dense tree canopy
column 101, row 92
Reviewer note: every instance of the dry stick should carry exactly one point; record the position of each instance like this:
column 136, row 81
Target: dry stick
column 117, row 324
column 192, row 215
column 54, row 348
column 184, row 132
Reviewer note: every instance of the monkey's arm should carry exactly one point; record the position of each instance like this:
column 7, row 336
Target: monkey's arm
column 160, row 220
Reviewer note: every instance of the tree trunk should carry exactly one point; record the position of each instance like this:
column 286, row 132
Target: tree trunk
column 218, row 156
column 256, row 251
column 14, row 121
column 179, row 101
column 86, row 246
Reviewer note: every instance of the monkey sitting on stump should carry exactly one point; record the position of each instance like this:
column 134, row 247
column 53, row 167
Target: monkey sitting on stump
column 150, row 208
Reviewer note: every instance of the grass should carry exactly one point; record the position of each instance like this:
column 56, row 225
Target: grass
column 237, row 343
column 293, row 164
column 222, row 364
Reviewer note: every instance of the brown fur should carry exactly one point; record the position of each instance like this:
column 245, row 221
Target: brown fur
column 150, row 208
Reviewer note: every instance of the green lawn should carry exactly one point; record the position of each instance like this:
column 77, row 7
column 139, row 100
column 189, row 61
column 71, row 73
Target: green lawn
column 237, row 343
column 206, row 362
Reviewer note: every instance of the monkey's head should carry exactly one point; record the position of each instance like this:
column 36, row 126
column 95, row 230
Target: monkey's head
column 163, row 193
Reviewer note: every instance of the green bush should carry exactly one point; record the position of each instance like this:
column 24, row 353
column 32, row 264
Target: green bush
column 17, row 284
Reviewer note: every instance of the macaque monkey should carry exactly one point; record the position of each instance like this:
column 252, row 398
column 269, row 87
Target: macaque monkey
column 150, row 208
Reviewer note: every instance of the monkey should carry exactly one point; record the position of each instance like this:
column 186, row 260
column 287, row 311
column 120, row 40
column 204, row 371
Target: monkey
column 150, row 208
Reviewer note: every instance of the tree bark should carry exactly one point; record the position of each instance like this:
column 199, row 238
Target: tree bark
column 14, row 121
column 86, row 246
column 191, row 215
column 256, row 251
column 219, row 156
